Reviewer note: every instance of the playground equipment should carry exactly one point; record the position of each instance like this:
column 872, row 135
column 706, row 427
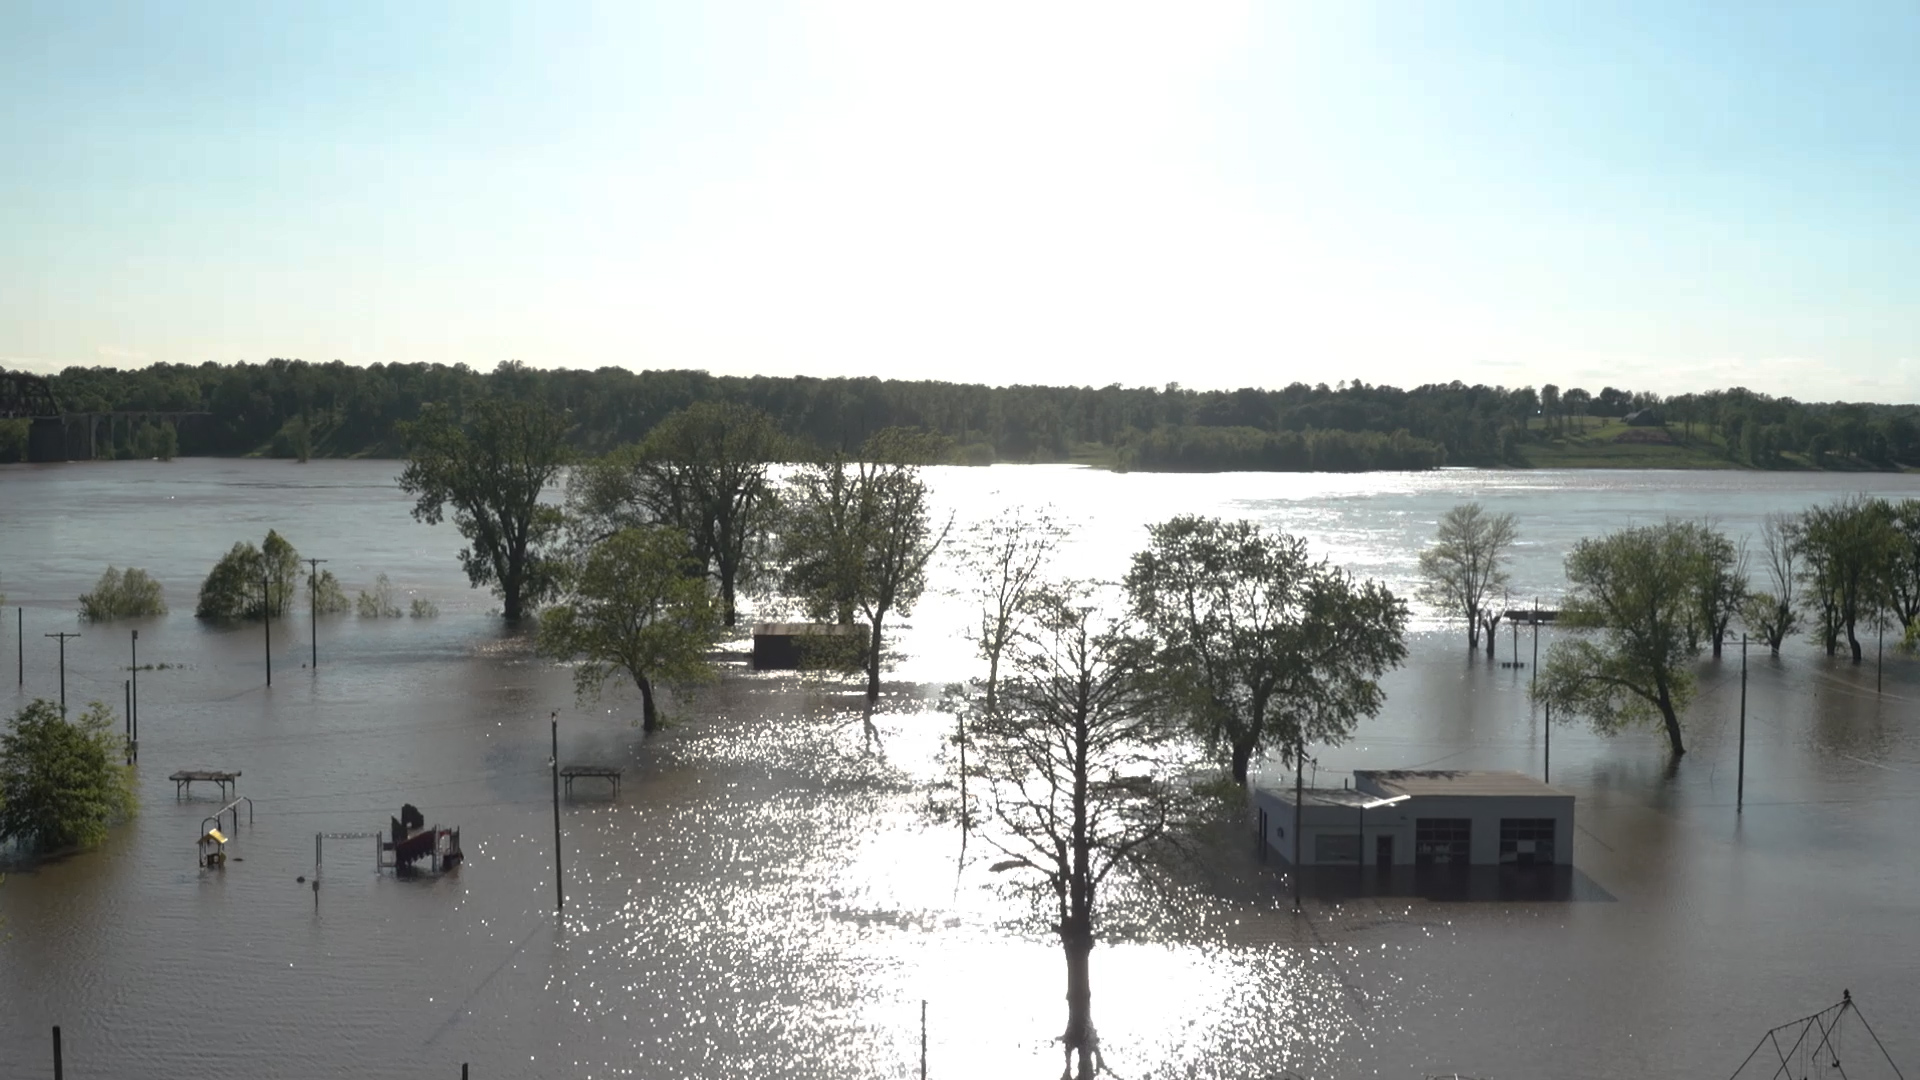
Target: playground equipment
column 212, row 844
column 412, row 841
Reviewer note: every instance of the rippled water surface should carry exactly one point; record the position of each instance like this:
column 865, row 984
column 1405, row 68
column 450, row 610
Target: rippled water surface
column 767, row 896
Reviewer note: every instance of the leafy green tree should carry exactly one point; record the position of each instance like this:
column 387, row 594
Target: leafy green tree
column 856, row 536
column 632, row 609
column 491, row 467
column 118, row 595
column 1721, row 587
column 1257, row 642
column 158, row 441
column 1084, row 778
column 1849, row 549
column 1465, row 567
column 1634, row 592
column 704, row 471
column 250, row 582
column 1903, row 566
column 62, row 783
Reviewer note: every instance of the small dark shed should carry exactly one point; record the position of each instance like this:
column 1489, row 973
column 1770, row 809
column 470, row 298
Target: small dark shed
column 778, row 646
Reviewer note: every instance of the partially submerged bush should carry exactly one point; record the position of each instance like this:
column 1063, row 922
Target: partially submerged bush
column 117, row 595
column 328, row 597
column 248, row 582
column 423, row 608
column 378, row 604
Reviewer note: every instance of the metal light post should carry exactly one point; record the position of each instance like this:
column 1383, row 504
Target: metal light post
column 63, row 636
column 313, row 608
column 1546, row 766
column 133, row 698
column 559, row 883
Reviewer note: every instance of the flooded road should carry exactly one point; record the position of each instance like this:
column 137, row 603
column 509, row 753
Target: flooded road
column 766, row 896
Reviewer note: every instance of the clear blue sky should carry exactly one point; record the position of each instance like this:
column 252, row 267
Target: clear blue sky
column 1659, row 196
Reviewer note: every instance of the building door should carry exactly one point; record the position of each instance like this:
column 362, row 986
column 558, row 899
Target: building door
column 1442, row 841
column 1383, row 851
column 1527, row 841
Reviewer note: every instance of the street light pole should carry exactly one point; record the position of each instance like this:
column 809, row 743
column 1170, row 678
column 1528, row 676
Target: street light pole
column 1740, row 783
column 266, row 619
column 313, row 608
column 1299, row 795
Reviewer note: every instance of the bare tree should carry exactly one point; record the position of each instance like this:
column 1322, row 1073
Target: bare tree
column 1463, row 569
column 1773, row 613
column 1084, row 777
column 1006, row 555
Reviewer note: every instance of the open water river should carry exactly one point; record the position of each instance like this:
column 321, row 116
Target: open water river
column 767, row 897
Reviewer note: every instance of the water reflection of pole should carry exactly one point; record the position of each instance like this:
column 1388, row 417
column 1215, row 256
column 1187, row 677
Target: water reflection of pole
column 1740, row 784
column 63, row 636
column 313, row 609
column 1299, row 792
column 559, row 884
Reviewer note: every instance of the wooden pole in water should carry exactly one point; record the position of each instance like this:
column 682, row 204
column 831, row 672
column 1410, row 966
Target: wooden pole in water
column 59, row 1070
column 1546, row 767
column 1879, row 652
column 923, row 1039
column 1535, row 685
column 127, row 684
column 266, row 620
column 20, row 645
column 63, row 636
column 1740, row 783
column 133, row 699
column 559, row 883
column 313, row 609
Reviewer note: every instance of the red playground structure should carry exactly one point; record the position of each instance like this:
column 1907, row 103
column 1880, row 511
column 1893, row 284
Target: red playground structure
column 411, row 841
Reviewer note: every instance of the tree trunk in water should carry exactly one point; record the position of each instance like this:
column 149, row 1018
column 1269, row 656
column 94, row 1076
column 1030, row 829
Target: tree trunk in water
column 1473, row 632
column 649, row 719
column 1079, row 1039
column 1493, row 624
column 1242, row 758
column 1717, row 635
column 1673, row 724
column 1853, row 643
column 727, row 613
column 873, row 662
column 510, row 598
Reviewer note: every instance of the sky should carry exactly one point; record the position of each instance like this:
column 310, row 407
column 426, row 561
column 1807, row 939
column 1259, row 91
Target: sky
column 1664, row 197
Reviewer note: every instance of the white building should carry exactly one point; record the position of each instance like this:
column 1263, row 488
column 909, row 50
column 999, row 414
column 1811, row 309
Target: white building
column 1422, row 818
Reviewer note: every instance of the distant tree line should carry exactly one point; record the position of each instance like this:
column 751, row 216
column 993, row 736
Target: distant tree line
column 295, row 409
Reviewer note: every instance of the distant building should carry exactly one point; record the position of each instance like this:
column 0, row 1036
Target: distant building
column 1645, row 418
column 1426, row 818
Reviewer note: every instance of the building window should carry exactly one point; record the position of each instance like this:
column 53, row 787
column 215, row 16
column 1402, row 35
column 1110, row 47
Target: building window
column 1336, row 848
column 1442, row 841
column 1526, row 841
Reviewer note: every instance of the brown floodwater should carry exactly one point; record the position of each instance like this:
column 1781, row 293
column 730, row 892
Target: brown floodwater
column 769, row 897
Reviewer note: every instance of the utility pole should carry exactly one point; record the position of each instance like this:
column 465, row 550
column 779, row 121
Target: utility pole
column 266, row 619
column 20, row 644
column 313, row 608
column 923, row 1039
column 1740, row 783
column 1546, row 767
column 133, row 700
column 1879, row 651
column 63, row 636
column 1535, row 685
column 559, row 883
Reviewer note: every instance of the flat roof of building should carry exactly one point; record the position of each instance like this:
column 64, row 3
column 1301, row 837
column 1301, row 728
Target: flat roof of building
column 1321, row 796
column 1455, row 782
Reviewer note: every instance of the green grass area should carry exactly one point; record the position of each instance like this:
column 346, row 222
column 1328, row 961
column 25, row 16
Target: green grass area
column 1594, row 443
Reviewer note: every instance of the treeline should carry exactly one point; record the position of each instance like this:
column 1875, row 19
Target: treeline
column 292, row 408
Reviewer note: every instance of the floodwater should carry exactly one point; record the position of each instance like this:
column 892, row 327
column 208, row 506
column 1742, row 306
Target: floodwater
column 767, row 896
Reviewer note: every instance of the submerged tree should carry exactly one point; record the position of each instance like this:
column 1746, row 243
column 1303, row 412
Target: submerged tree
column 62, row 782
column 1720, row 587
column 1257, row 642
column 702, row 470
column 1848, row 546
column 1084, row 777
column 250, row 582
column 1633, row 593
column 1006, row 556
column 1465, row 568
column 377, row 603
column 325, row 595
column 1774, row 613
column 117, row 595
column 632, row 609
column 491, row 466
column 856, row 538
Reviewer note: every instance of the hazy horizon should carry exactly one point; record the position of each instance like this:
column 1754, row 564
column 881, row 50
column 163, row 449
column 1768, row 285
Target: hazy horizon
column 1653, row 198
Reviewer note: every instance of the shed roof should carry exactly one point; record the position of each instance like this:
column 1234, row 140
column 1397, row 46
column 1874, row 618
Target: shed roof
column 1455, row 782
column 798, row 629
